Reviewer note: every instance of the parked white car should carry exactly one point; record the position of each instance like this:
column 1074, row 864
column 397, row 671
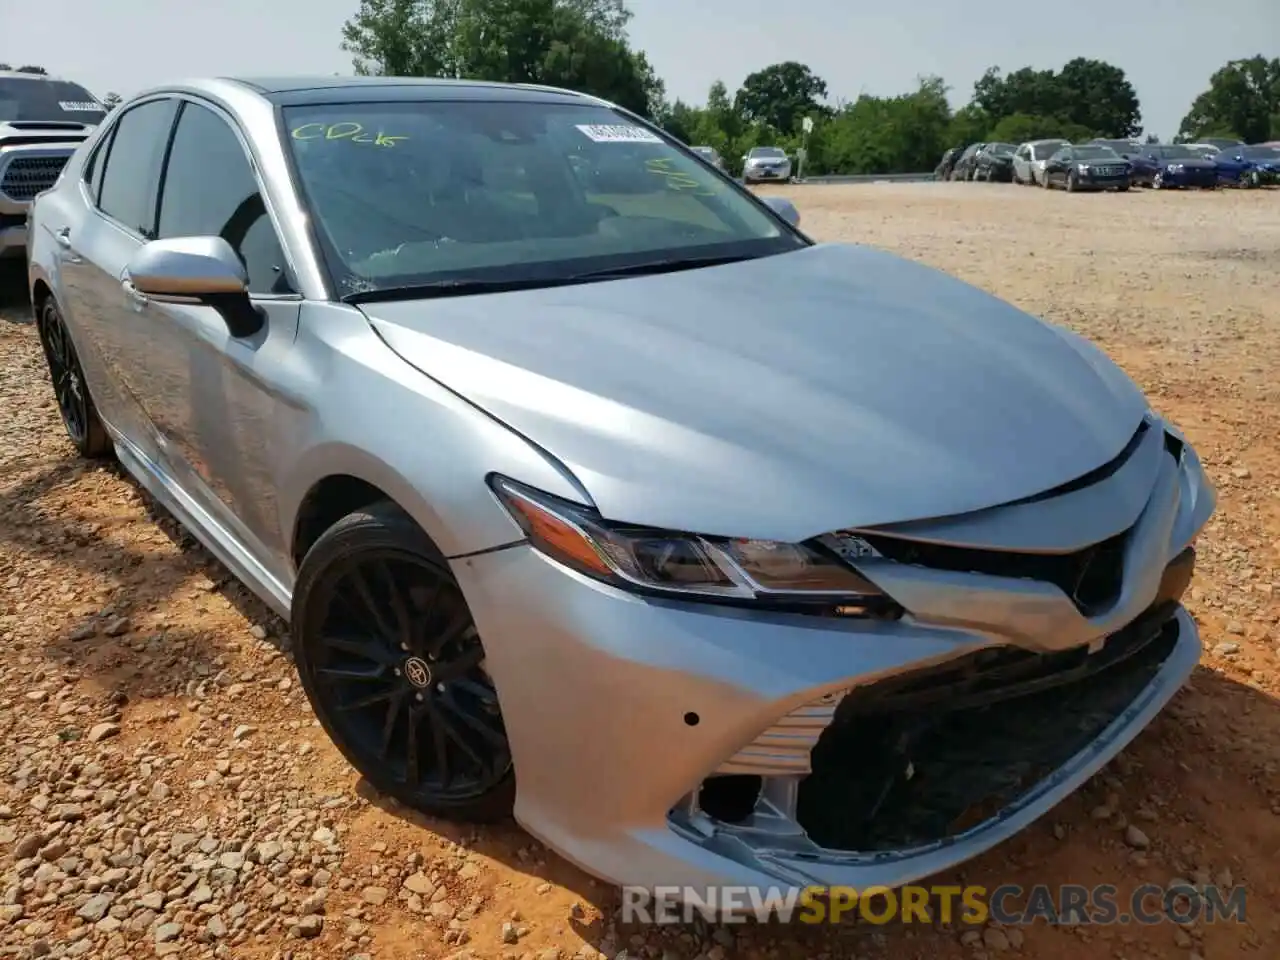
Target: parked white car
column 1029, row 160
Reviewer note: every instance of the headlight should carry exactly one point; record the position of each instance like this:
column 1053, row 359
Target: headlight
column 1082, row 167
column 1176, row 167
column 693, row 566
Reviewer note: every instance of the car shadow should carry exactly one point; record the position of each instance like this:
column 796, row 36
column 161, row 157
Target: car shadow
column 15, row 301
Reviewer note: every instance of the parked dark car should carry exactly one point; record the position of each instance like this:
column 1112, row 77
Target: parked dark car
column 1119, row 146
column 1088, row 166
column 1248, row 166
column 1173, row 165
column 964, row 166
column 943, row 170
column 994, row 163
column 1222, row 143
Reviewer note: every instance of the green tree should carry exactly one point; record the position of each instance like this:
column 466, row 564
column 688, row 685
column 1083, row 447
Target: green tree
column 577, row 44
column 970, row 124
column 889, row 134
column 781, row 95
column 1098, row 96
column 1243, row 100
column 1021, row 127
column 1088, row 95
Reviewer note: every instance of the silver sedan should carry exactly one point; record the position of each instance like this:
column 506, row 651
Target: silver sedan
column 1030, row 158
column 597, row 493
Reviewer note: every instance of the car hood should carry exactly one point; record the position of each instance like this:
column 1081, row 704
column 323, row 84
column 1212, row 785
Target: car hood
column 835, row 386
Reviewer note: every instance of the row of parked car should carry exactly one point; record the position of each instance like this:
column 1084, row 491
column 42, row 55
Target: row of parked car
column 1103, row 164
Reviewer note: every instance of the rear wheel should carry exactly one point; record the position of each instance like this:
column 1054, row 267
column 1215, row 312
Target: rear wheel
column 393, row 665
column 75, row 404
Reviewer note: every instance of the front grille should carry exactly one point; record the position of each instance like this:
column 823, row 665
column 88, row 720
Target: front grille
column 1090, row 577
column 895, row 774
column 27, row 176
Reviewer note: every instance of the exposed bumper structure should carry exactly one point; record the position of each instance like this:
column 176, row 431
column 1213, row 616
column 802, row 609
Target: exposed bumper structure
column 682, row 744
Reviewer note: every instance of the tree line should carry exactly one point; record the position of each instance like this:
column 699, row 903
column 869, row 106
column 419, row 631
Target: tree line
column 583, row 45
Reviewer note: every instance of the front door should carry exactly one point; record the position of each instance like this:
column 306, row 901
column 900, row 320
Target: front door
column 212, row 396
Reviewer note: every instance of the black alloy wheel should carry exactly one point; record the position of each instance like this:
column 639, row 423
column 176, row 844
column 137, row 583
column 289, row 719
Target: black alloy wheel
column 391, row 661
column 79, row 415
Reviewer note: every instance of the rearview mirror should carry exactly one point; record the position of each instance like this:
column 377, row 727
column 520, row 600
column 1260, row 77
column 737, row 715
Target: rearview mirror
column 784, row 208
column 196, row 271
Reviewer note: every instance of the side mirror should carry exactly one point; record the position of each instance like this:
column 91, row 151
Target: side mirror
column 196, row 271
column 784, row 208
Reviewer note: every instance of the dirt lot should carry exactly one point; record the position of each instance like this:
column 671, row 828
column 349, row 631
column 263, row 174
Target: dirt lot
column 164, row 789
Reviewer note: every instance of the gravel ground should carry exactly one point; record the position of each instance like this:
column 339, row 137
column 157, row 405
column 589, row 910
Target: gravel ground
column 164, row 789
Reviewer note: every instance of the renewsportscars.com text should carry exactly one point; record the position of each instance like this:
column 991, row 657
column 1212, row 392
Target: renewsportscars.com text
column 1008, row 905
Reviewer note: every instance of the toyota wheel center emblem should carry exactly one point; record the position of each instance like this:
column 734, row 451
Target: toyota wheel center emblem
column 417, row 672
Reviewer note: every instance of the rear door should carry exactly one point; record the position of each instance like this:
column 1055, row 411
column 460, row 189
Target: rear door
column 119, row 216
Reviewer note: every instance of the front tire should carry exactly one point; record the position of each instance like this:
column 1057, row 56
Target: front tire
column 393, row 666
column 71, row 392
column 1073, row 182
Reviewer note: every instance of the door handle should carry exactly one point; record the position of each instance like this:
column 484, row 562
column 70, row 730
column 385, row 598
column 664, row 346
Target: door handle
column 133, row 293
column 63, row 239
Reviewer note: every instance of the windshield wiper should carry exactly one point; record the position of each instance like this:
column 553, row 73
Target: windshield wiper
column 454, row 288
column 668, row 265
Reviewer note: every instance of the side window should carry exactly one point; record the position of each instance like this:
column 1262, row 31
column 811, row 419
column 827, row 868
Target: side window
column 128, row 187
column 97, row 164
column 210, row 191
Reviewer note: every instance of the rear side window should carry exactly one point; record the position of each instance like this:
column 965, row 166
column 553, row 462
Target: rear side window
column 128, row 191
column 210, row 191
column 97, row 164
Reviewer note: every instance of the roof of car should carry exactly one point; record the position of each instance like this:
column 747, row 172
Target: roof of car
column 319, row 89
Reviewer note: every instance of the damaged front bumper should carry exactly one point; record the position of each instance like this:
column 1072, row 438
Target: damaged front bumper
column 683, row 744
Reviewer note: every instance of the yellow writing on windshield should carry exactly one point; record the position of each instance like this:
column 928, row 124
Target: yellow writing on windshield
column 346, row 130
column 676, row 180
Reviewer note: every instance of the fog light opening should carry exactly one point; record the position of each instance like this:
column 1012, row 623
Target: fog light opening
column 730, row 798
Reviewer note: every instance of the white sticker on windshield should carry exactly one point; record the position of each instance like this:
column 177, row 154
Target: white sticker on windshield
column 82, row 106
column 618, row 133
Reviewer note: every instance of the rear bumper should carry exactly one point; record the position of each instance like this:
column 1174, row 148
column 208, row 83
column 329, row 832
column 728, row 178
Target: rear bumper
column 620, row 709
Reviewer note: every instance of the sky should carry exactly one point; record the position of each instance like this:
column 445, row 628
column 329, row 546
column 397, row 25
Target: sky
column 856, row 46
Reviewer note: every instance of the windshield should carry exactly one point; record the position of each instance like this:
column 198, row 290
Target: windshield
column 1001, row 149
column 767, row 153
column 1177, row 152
column 1095, row 152
column 1043, row 151
column 413, row 193
column 1260, row 153
column 39, row 99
